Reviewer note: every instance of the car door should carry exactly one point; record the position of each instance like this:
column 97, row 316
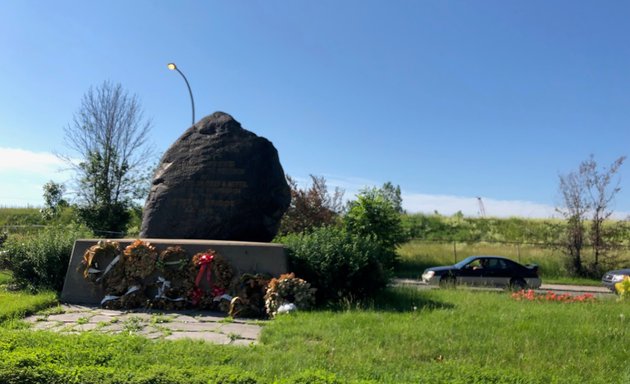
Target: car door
column 499, row 273
column 472, row 273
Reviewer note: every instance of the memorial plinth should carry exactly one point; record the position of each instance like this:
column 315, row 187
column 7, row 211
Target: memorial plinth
column 244, row 257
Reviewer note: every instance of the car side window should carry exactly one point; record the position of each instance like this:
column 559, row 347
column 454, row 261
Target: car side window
column 509, row 265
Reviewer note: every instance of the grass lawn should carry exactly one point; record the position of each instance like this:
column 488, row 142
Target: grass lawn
column 405, row 336
column 14, row 305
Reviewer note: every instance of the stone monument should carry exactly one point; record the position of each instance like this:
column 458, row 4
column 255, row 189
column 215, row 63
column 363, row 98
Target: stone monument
column 218, row 181
column 219, row 190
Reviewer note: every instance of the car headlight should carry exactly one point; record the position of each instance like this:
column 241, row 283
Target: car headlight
column 617, row 278
column 428, row 275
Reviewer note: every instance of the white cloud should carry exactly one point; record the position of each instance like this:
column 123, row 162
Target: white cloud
column 469, row 206
column 23, row 174
column 444, row 204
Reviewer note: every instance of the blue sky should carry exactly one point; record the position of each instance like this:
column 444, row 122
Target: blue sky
column 448, row 99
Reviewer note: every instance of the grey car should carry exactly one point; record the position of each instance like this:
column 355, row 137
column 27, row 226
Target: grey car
column 492, row 271
column 611, row 278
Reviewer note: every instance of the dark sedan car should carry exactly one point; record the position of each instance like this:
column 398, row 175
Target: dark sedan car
column 492, row 271
column 611, row 278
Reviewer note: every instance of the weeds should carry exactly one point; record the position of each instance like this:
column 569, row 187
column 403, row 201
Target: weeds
column 132, row 325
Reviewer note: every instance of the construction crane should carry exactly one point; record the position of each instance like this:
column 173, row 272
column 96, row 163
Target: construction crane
column 482, row 209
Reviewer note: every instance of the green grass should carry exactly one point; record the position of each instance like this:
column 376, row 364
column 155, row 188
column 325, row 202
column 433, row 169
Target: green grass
column 20, row 216
column 19, row 304
column 5, row 277
column 404, row 336
column 415, row 256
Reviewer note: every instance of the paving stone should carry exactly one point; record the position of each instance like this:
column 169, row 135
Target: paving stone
column 35, row 319
column 114, row 328
column 184, row 319
column 85, row 327
column 197, row 325
column 69, row 317
column 211, row 318
column 245, row 331
column 45, row 325
column 212, row 337
column 76, row 308
column 109, row 312
column 146, row 317
column 150, row 333
column 191, row 327
column 101, row 318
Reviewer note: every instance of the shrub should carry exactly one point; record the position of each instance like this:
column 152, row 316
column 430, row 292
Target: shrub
column 311, row 208
column 41, row 260
column 374, row 215
column 336, row 262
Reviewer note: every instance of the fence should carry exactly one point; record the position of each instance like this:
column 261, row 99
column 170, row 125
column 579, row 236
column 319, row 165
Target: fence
column 519, row 251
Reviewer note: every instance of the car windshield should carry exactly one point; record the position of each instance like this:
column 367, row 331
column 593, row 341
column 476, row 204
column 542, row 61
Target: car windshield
column 464, row 262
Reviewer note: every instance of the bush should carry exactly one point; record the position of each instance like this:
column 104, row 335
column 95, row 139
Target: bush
column 311, row 208
column 373, row 215
column 41, row 260
column 336, row 262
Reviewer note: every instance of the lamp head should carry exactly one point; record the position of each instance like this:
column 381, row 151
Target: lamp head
column 171, row 66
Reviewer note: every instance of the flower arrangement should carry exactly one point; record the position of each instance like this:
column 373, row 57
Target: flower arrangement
column 139, row 259
column 103, row 264
column 623, row 288
column 172, row 262
column 98, row 257
column 174, row 281
column 250, row 296
column 530, row 295
column 288, row 289
column 140, row 276
column 212, row 278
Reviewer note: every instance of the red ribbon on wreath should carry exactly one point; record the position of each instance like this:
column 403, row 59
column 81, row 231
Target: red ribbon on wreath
column 205, row 264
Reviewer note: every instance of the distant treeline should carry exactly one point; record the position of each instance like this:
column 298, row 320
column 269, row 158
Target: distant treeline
column 427, row 227
column 491, row 229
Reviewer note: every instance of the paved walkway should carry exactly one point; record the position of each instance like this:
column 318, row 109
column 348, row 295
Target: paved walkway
column 198, row 325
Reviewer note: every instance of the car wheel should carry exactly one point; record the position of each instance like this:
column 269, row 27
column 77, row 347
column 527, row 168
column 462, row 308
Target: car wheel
column 517, row 284
column 447, row 281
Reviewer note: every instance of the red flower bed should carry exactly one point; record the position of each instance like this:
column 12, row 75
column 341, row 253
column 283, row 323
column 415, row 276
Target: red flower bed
column 531, row 295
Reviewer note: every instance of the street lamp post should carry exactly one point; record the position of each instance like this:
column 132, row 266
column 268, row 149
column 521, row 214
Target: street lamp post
column 173, row 67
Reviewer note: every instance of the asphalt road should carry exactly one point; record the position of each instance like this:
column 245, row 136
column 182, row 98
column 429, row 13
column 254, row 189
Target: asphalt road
column 556, row 288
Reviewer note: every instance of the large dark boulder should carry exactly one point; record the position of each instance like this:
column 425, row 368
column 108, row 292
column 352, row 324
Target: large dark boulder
column 218, row 181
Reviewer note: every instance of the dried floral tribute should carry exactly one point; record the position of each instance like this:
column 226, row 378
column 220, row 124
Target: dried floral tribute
column 97, row 258
column 288, row 289
column 212, row 277
column 140, row 276
column 250, row 299
column 173, row 281
column 140, row 258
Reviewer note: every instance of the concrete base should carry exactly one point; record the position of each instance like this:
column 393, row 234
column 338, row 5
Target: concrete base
column 244, row 257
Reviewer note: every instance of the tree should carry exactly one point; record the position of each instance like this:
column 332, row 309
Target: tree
column 375, row 214
column 587, row 195
column 311, row 207
column 53, row 200
column 601, row 193
column 109, row 135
